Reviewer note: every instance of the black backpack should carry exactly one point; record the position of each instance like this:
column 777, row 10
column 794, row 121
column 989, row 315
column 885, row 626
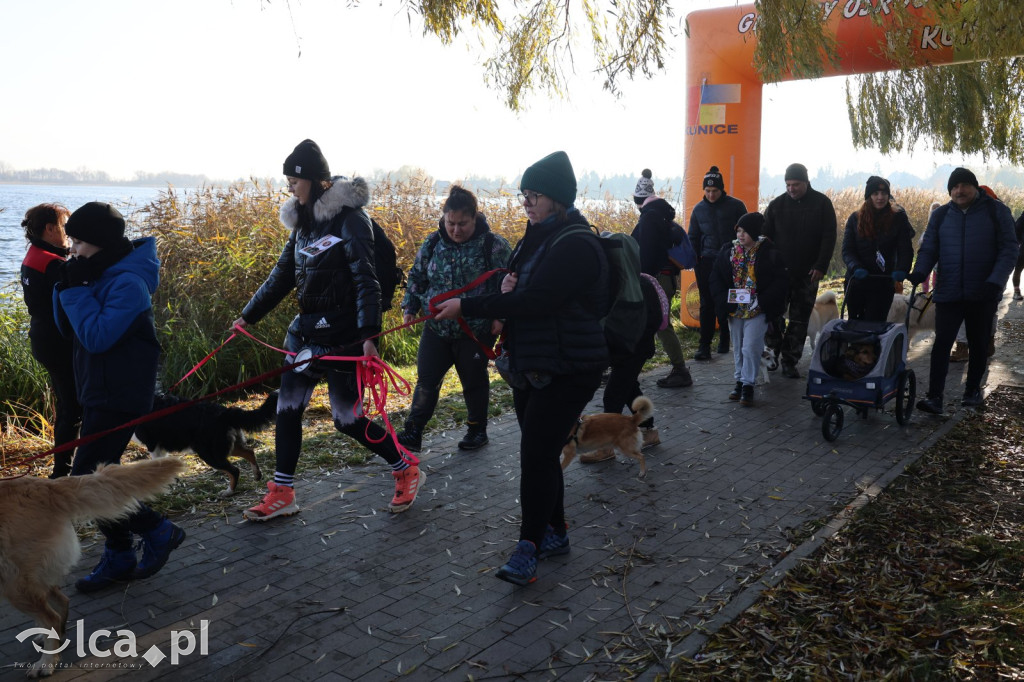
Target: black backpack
column 385, row 261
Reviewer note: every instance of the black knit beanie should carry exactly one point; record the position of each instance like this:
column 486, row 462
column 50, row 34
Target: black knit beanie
column 307, row 162
column 98, row 224
column 875, row 184
column 961, row 175
column 752, row 224
column 713, row 178
column 553, row 177
column 797, row 171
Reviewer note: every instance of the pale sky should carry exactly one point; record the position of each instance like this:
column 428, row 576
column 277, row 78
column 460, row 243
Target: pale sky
column 219, row 88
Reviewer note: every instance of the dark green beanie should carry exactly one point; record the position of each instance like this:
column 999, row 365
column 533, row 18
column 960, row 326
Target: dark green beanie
column 552, row 176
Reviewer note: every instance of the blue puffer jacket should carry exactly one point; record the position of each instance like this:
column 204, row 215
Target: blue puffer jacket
column 116, row 350
column 970, row 249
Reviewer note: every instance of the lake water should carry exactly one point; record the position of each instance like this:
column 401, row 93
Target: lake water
column 16, row 199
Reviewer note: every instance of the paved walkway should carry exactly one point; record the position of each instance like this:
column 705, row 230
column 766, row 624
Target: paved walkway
column 347, row 591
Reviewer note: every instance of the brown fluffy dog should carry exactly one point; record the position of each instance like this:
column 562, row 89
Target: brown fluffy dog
column 617, row 431
column 38, row 543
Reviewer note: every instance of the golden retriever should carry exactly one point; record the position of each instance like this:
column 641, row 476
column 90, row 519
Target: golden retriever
column 606, row 430
column 38, row 543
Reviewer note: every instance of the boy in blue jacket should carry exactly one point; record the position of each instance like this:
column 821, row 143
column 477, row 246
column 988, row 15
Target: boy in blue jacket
column 104, row 297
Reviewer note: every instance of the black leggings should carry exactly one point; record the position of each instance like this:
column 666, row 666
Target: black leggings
column 546, row 416
column 869, row 298
column 293, row 398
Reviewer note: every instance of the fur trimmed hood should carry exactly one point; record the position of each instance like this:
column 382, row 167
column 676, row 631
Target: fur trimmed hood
column 343, row 192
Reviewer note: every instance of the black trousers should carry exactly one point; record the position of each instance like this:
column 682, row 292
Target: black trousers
column 108, row 450
column 788, row 337
column 55, row 357
column 708, row 317
column 869, row 298
column 546, row 416
column 623, row 385
column 435, row 357
column 976, row 316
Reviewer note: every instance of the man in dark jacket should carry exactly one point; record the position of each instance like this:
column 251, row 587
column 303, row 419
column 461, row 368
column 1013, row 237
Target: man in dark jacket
column 802, row 223
column 972, row 242
column 654, row 234
column 712, row 225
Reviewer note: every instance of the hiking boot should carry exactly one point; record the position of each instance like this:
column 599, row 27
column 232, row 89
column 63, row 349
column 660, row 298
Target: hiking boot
column 411, row 438
column 991, row 345
column 737, row 391
column 407, row 486
column 651, row 438
column 790, row 371
column 475, row 438
column 960, row 353
column 703, row 353
column 553, row 544
column 521, row 567
column 115, row 566
column 747, row 395
column 973, row 398
column 930, row 405
column 1017, row 296
column 600, row 455
column 679, row 377
column 723, row 347
column 157, row 546
column 279, row 501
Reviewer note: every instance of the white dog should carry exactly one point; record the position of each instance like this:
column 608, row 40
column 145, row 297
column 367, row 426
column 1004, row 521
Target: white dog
column 922, row 316
column 825, row 310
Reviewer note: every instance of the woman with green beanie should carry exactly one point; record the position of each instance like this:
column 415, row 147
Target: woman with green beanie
column 554, row 352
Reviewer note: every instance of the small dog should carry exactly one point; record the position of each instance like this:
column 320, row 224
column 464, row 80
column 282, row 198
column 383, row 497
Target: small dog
column 212, row 431
column 922, row 316
column 38, row 543
column 858, row 359
column 825, row 310
column 617, row 431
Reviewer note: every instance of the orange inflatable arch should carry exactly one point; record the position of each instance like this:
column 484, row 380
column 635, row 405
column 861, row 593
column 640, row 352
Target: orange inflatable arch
column 723, row 91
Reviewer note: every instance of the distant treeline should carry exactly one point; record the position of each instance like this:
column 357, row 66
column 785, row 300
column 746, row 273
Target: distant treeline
column 84, row 176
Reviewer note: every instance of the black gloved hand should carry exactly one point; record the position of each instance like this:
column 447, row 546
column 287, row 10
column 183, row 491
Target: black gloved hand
column 75, row 272
column 993, row 292
column 916, row 278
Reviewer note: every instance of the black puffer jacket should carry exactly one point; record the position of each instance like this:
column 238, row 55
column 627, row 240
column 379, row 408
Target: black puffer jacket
column 803, row 229
column 712, row 225
column 553, row 317
column 896, row 246
column 40, row 271
column 340, row 280
column 654, row 234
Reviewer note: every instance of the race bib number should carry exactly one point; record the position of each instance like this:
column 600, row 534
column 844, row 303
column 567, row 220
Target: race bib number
column 739, row 295
column 319, row 246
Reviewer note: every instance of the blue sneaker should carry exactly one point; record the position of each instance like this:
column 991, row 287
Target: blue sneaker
column 157, row 545
column 553, row 544
column 114, row 567
column 521, row 567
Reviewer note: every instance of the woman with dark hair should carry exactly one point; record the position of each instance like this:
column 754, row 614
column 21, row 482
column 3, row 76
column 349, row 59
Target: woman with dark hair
column 877, row 250
column 462, row 249
column 329, row 262
column 40, row 271
column 552, row 302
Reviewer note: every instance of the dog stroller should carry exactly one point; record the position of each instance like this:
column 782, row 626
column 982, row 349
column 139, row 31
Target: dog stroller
column 861, row 365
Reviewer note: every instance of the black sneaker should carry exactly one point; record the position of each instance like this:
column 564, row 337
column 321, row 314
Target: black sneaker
column 930, row 405
column 747, row 396
column 790, row 371
column 679, row 377
column 475, row 438
column 703, row 353
column 411, row 438
column 736, row 392
column 973, row 398
column 723, row 347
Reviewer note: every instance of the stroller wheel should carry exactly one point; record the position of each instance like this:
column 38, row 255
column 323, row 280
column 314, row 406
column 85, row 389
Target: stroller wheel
column 832, row 422
column 818, row 407
column 906, row 394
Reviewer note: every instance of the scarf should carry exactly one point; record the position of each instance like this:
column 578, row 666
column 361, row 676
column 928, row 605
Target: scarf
column 744, row 277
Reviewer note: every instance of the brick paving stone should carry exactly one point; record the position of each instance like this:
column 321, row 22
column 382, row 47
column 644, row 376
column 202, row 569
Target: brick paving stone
column 725, row 491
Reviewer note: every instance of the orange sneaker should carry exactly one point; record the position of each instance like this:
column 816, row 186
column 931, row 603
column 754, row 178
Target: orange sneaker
column 407, row 485
column 279, row 501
